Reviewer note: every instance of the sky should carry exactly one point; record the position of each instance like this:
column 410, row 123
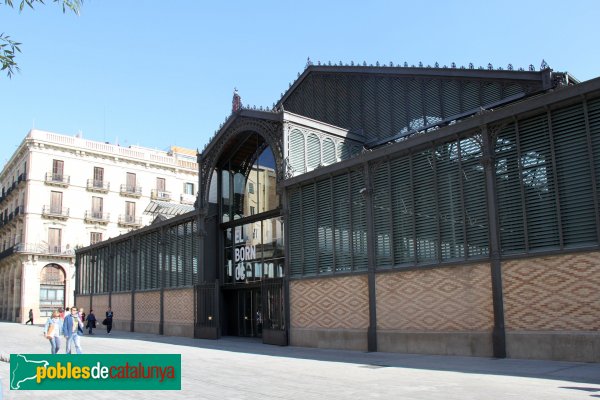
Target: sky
column 160, row 73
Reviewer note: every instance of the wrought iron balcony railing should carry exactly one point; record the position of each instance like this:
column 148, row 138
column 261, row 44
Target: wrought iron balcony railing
column 98, row 217
column 156, row 194
column 134, row 191
column 57, row 179
column 130, row 220
column 96, row 185
column 55, row 212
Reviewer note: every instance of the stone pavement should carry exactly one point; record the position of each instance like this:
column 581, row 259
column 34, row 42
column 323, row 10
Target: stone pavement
column 236, row 368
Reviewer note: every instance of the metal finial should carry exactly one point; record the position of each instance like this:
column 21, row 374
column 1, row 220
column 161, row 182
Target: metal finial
column 471, row 66
column 531, row 67
column 420, row 64
column 490, row 66
column 377, row 64
column 510, row 67
column 308, row 63
column 364, row 63
column 391, row 64
column 544, row 65
column 453, row 65
column 405, row 64
column 352, row 63
column 436, row 65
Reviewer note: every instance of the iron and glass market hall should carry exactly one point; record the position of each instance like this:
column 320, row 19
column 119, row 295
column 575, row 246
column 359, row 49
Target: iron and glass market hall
column 417, row 209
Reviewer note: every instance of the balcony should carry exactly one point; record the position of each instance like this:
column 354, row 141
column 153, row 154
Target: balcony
column 130, row 221
column 57, row 179
column 189, row 199
column 155, row 194
column 95, row 217
column 94, row 185
column 38, row 248
column 131, row 191
column 55, row 212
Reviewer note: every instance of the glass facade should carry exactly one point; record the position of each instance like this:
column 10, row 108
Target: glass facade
column 252, row 236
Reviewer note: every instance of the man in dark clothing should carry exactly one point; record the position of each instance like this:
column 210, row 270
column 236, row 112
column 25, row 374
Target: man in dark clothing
column 109, row 320
column 30, row 317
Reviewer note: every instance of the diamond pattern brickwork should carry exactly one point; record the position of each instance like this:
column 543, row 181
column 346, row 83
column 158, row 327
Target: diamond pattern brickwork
column 330, row 303
column 121, row 306
column 100, row 305
column 552, row 293
column 179, row 305
column 441, row 299
column 147, row 306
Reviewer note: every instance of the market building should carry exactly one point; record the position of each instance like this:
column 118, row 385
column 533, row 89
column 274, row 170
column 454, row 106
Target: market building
column 437, row 210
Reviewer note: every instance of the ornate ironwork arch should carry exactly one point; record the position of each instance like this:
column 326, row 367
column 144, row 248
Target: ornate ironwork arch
column 270, row 131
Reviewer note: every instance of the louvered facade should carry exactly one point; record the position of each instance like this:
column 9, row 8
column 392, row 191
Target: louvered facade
column 428, row 210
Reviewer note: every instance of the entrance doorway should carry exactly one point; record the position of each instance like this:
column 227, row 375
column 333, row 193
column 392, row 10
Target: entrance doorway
column 244, row 314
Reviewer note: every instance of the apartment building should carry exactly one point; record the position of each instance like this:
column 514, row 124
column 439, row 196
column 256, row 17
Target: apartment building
column 59, row 193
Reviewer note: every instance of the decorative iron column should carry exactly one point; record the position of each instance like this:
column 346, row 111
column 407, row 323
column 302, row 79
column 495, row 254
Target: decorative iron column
column 488, row 161
column 367, row 193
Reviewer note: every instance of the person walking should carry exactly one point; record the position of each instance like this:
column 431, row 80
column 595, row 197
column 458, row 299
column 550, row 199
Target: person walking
column 82, row 314
column 52, row 331
column 30, row 317
column 91, row 322
column 72, row 331
column 109, row 320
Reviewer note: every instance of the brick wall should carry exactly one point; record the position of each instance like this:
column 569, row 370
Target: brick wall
column 100, row 305
column 179, row 305
column 441, row 299
column 558, row 293
column 147, row 307
column 121, row 306
column 331, row 303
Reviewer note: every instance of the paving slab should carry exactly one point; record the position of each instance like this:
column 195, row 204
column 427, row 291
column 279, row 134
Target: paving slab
column 239, row 368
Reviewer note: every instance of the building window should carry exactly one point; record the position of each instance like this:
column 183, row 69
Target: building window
column 95, row 237
column 98, row 177
column 188, row 188
column 57, row 170
column 56, row 202
column 97, row 206
column 160, row 184
column 54, row 236
column 130, row 182
column 252, row 210
column 130, row 210
column 250, row 187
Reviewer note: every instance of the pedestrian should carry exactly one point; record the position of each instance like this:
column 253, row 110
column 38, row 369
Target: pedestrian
column 30, row 317
column 52, row 331
column 91, row 322
column 82, row 314
column 109, row 320
column 61, row 313
column 72, row 331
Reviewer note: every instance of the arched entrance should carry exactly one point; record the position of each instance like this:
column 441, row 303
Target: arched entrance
column 52, row 289
column 251, row 246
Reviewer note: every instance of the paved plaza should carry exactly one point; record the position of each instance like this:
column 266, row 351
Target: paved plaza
column 235, row 368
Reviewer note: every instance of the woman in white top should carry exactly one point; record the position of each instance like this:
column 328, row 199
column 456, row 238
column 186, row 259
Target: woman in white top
column 52, row 331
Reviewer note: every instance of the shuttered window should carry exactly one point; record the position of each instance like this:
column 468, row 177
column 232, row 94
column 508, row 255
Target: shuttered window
column 574, row 176
column 328, row 152
column 297, row 152
column 313, row 151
